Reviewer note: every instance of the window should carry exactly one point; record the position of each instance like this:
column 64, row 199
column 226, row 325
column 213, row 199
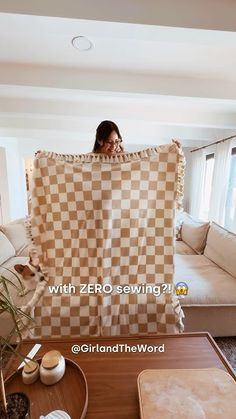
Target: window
column 230, row 208
column 207, row 184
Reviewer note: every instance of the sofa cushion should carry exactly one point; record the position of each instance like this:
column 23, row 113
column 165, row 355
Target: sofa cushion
column 217, row 320
column 221, row 248
column 194, row 233
column 25, row 251
column 16, row 234
column 208, row 285
column 7, row 251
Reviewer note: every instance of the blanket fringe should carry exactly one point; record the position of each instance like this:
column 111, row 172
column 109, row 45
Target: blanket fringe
column 27, row 325
column 41, row 286
column 179, row 314
column 32, row 252
column 116, row 158
column 180, row 176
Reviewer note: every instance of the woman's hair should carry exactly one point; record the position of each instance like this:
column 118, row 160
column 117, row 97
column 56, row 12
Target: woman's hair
column 103, row 131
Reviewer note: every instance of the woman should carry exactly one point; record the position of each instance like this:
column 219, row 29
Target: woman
column 108, row 139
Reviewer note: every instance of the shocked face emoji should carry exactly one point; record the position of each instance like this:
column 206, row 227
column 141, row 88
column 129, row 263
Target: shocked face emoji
column 181, row 288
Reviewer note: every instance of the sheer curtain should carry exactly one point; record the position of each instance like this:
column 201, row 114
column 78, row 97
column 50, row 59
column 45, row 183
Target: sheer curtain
column 197, row 182
column 220, row 182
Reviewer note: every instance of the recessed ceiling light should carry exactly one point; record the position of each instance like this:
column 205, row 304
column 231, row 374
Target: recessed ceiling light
column 82, row 43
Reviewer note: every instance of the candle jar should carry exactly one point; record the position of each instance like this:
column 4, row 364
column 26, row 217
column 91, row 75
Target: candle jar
column 52, row 367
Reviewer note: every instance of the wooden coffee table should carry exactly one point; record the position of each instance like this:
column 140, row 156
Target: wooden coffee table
column 112, row 377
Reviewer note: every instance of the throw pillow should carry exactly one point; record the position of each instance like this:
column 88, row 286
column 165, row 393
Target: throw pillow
column 16, row 234
column 7, row 251
column 221, row 248
column 194, row 233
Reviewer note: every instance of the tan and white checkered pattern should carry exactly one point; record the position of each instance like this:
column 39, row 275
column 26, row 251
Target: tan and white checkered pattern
column 107, row 220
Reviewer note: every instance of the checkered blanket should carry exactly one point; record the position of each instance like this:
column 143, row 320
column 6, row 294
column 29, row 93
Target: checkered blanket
column 109, row 221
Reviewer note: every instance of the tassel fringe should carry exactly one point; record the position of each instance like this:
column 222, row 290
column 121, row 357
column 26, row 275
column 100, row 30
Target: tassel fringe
column 116, row 158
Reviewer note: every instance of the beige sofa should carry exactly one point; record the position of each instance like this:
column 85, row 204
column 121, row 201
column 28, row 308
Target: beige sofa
column 14, row 249
column 206, row 261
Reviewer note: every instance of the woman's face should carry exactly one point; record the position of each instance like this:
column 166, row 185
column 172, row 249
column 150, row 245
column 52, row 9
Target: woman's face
column 111, row 145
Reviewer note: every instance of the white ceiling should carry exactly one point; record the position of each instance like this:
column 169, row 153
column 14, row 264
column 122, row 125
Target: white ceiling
column 201, row 14
column 156, row 82
column 118, row 47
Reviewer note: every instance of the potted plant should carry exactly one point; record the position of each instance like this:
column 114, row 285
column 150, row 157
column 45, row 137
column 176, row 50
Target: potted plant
column 15, row 405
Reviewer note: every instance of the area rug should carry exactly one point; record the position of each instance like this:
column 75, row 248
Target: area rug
column 108, row 221
column 228, row 347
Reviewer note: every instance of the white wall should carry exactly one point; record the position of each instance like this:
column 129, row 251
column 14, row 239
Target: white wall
column 4, row 189
column 16, row 182
column 28, row 147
